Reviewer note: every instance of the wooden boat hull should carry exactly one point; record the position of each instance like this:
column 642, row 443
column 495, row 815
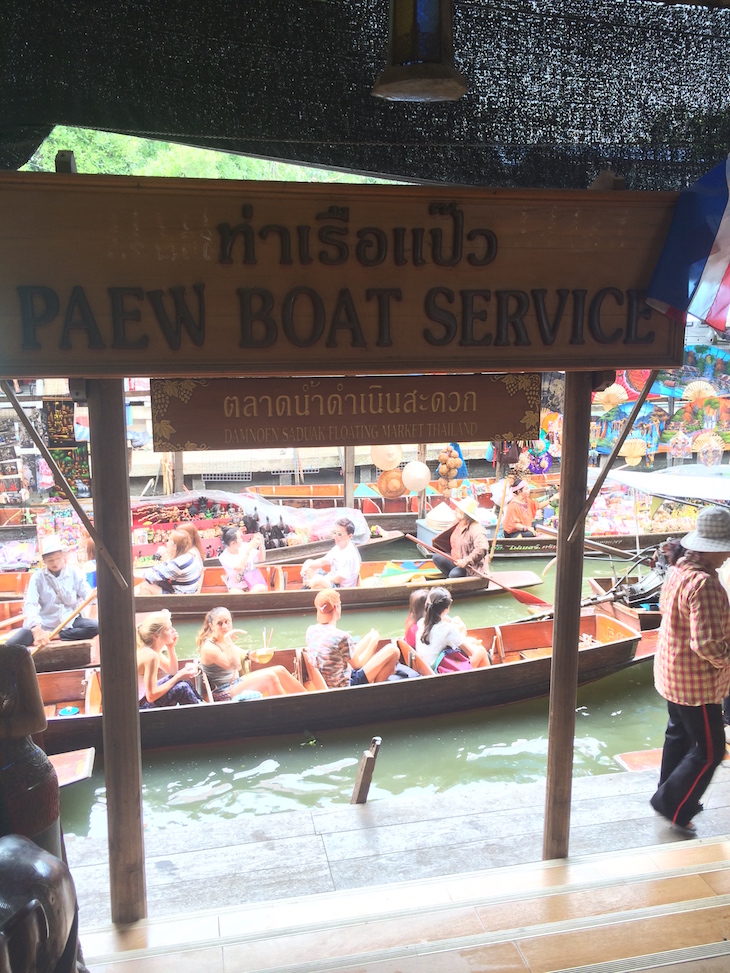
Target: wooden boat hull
column 281, row 602
column 547, row 546
column 526, row 675
column 13, row 584
column 286, row 594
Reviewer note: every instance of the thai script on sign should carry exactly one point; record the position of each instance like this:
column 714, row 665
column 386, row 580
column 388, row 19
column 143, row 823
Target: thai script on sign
column 375, row 401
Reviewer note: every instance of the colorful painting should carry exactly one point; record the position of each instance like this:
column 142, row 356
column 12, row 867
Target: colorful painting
column 74, row 464
column 60, row 422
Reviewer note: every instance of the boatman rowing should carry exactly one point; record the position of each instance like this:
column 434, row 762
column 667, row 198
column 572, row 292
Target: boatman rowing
column 54, row 591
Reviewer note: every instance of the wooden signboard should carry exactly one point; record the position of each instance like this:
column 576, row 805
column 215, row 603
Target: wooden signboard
column 192, row 414
column 162, row 277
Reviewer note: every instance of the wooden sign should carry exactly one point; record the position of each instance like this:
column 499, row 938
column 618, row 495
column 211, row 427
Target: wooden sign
column 163, row 277
column 190, row 414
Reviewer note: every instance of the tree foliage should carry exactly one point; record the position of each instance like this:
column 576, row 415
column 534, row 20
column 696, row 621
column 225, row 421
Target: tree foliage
column 125, row 155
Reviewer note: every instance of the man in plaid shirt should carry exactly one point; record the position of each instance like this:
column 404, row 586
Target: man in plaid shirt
column 692, row 669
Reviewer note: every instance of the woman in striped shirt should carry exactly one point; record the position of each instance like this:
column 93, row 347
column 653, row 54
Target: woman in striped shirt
column 180, row 574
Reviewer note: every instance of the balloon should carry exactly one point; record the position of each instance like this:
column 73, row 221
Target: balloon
column 386, row 457
column 416, row 476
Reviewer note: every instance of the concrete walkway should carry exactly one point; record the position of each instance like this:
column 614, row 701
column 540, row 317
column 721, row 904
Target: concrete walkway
column 220, row 864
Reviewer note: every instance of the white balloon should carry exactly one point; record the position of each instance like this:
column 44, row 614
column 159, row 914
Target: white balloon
column 386, row 457
column 416, row 476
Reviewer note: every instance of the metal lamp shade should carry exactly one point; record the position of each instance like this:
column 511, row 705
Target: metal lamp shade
column 420, row 54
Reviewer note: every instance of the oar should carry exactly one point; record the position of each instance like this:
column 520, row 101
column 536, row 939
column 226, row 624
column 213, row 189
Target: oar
column 68, row 619
column 593, row 545
column 523, row 596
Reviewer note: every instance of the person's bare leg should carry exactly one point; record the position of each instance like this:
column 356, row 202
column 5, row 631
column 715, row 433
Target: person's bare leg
column 264, row 681
column 365, row 649
column 478, row 655
column 382, row 664
column 147, row 588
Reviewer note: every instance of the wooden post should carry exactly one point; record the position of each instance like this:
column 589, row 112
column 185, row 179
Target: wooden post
column 122, row 755
column 348, row 470
column 566, row 627
column 365, row 772
column 421, row 457
column 178, row 478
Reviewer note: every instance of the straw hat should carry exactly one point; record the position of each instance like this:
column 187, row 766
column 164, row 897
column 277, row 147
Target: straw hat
column 390, row 484
column 469, row 506
column 712, row 533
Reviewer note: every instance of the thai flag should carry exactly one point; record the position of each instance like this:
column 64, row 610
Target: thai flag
column 691, row 281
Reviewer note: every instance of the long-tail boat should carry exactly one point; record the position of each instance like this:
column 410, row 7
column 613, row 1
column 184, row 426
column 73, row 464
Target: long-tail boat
column 520, row 670
column 383, row 584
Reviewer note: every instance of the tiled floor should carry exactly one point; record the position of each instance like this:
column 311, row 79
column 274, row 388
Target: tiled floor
column 657, row 903
column 444, row 884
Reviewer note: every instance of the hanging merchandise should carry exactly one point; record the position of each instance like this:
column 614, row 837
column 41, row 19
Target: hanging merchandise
column 450, row 462
column 390, row 484
column 416, row 476
column 386, row 457
column 709, row 449
column 60, row 422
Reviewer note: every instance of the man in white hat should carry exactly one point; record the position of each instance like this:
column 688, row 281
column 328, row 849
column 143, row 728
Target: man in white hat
column 53, row 593
column 692, row 669
column 469, row 543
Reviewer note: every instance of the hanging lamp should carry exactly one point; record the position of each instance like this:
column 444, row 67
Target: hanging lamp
column 420, row 64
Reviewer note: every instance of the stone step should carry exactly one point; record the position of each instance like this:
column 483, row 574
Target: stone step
column 607, row 912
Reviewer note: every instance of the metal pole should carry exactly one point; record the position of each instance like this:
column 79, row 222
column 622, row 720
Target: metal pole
column 122, row 755
column 566, row 627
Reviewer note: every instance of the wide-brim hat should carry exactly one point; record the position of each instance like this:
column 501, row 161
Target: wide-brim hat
column 51, row 545
column 390, row 484
column 712, row 533
column 469, row 506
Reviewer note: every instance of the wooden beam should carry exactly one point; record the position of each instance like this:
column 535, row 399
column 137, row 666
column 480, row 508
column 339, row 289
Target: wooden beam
column 122, row 754
column 568, row 581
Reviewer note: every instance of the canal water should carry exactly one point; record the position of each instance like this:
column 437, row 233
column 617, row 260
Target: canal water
column 262, row 776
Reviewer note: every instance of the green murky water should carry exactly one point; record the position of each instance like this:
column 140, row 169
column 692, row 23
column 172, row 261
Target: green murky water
column 617, row 714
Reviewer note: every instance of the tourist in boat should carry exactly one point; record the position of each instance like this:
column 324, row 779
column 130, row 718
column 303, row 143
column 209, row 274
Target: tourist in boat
column 181, row 574
column 438, row 636
column 521, row 511
column 340, row 566
column 692, row 669
column 221, row 661
column 198, row 546
column 156, row 640
column 341, row 660
column 239, row 559
column 469, row 543
column 416, row 611
column 54, row 591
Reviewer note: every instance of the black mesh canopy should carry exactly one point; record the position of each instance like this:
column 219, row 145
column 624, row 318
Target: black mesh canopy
column 558, row 89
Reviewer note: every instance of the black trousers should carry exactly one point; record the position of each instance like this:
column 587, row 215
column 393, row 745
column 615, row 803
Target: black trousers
column 82, row 628
column 447, row 567
column 694, row 745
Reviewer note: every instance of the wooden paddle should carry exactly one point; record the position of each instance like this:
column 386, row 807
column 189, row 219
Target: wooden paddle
column 522, row 596
column 71, row 617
